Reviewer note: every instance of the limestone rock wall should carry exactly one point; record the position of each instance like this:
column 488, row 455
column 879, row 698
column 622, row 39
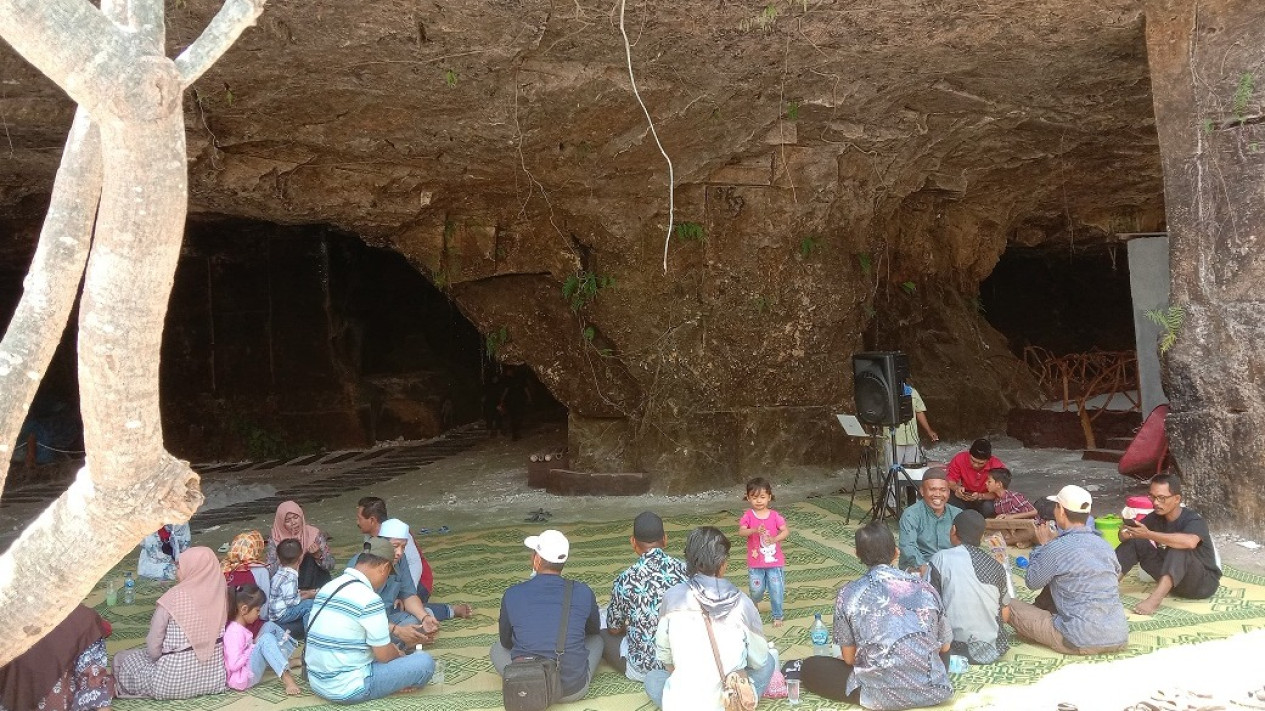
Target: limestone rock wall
column 846, row 172
column 1206, row 65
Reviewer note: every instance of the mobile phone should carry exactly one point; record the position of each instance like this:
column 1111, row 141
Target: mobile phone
column 1131, row 523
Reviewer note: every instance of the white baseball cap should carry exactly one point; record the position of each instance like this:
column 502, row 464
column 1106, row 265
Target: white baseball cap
column 550, row 545
column 393, row 528
column 1073, row 498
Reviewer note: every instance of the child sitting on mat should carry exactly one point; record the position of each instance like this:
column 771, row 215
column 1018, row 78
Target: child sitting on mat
column 1016, row 516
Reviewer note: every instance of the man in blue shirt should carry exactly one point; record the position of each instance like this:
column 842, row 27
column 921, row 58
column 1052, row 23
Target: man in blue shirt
column 531, row 615
column 411, row 624
column 1081, row 575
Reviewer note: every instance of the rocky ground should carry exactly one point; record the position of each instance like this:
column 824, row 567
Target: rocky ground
column 485, row 486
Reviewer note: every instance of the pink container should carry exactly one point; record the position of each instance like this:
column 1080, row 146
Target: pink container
column 1141, row 505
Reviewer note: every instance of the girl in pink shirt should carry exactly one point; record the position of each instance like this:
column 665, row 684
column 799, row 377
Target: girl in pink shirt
column 246, row 657
column 765, row 530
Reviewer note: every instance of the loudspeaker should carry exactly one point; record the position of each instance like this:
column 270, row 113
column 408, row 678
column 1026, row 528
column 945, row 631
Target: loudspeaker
column 878, row 384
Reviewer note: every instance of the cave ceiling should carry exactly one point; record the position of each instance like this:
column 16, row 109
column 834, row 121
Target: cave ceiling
column 827, row 150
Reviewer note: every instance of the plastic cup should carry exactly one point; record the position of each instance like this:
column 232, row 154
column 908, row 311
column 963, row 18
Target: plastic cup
column 792, row 692
column 438, row 678
column 958, row 664
column 111, row 594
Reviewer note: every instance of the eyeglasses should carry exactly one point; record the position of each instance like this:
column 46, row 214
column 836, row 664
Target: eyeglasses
column 1162, row 499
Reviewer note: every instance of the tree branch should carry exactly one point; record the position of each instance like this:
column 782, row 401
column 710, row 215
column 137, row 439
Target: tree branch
column 225, row 28
column 77, row 539
column 84, row 61
column 53, row 279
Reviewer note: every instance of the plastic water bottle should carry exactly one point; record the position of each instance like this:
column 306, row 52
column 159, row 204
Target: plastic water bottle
column 129, row 588
column 820, row 636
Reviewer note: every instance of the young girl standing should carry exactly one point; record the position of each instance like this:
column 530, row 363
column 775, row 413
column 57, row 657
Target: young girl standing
column 765, row 530
column 245, row 656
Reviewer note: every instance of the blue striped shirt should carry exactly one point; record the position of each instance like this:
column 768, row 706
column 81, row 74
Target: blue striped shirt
column 1083, row 575
column 338, row 644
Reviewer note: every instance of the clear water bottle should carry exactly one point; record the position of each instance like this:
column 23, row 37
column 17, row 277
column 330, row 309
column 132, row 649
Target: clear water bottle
column 129, row 588
column 820, row 636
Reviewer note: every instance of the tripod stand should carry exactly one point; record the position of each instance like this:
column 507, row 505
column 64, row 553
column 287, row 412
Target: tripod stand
column 867, row 462
column 891, row 491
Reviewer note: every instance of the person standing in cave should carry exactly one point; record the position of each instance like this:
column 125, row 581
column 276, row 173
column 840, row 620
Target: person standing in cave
column 908, row 444
column 514, row 399
column 493, row 389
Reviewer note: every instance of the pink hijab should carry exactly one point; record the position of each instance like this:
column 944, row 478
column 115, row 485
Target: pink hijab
column 307, row 534
column 199, row 601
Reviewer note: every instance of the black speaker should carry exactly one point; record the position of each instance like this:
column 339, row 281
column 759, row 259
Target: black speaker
column 878, row 384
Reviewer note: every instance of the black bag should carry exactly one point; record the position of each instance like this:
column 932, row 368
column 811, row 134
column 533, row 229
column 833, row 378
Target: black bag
column 535, row 683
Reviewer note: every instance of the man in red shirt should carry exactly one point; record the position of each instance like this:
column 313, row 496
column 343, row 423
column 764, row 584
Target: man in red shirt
column 968, row 478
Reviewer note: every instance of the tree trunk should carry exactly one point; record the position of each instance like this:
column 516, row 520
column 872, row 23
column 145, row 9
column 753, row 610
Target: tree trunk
column 110, row 61
column 1207, row 64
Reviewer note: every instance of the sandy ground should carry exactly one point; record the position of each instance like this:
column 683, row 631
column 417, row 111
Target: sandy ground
column 486, row 486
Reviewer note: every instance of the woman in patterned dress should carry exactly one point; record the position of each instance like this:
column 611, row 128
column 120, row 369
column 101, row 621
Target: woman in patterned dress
column 184, row 652
column 67, row 670
column 317, row 562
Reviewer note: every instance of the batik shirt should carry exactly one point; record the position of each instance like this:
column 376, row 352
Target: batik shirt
column 1012, row 502
column 635, row 599
column 896, row 622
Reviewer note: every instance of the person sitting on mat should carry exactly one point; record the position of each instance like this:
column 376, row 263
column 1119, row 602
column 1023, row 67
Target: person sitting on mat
column 1079, row 610
column 1016, row 518
column 633, row 614
column 1172, row 544
column 972, row 586
column 371, row 512
column 968, row 477
column 892, row 634
column 924, row 526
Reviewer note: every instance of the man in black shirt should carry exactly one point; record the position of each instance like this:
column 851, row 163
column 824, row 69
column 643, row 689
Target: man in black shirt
column 1173, row 546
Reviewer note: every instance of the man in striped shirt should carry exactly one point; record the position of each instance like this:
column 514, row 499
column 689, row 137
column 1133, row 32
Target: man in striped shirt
column 1079, row 612
column 349, row 654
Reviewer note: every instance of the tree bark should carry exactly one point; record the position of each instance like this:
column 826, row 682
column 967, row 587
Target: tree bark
column 130, row 485
column 1206, row 74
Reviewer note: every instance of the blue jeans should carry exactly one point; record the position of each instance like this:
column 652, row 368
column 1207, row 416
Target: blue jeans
column 298, row 612
column 441, row 610
column 772, row 579
column 271, row 651
column 760, row 677
column 387, row 678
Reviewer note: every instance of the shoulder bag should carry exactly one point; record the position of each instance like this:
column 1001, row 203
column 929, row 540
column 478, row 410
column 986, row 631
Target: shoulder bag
column 736, row 690
column 535, row 683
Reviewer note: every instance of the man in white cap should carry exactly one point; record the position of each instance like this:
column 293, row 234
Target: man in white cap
column 411, row 623
column 1079, row 612
column 531, row 616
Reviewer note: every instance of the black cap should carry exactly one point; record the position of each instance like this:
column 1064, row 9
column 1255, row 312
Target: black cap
column 970, row 526
column 648, row 527
column 981, row 449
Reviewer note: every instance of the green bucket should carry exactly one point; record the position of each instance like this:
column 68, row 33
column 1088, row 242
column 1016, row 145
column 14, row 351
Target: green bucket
column 1109, row 527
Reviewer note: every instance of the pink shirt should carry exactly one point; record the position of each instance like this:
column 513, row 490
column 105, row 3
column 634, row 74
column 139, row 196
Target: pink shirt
column 769, row 556
column 238, row 645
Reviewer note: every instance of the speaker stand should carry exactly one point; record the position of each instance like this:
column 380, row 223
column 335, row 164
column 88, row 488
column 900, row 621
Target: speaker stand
column 867, row 462
column 890, row 494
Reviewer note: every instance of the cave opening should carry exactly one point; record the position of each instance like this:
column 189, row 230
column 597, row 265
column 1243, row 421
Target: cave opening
column 286, row 339
column 1062, row 300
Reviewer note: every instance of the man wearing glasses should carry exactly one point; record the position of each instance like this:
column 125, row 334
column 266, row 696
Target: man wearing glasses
column 1173, row 546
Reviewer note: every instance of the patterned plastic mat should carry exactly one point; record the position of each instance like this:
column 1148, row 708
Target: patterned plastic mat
column 477, row 566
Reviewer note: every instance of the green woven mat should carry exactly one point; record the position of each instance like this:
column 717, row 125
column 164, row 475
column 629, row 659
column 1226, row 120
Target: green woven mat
column 477, row 566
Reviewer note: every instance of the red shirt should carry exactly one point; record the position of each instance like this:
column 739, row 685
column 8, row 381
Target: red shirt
column 972, row 480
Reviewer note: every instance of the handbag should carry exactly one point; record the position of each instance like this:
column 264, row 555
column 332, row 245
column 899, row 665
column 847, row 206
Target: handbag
column 736, row 690
column 535, row 683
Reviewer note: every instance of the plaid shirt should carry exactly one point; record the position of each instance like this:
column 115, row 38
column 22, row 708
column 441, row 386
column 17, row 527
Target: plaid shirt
column 284, row 593
column 1083, row 575
column 1012, row 502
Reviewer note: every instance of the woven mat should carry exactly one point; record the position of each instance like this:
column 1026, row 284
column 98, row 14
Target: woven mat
column 477, row 566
